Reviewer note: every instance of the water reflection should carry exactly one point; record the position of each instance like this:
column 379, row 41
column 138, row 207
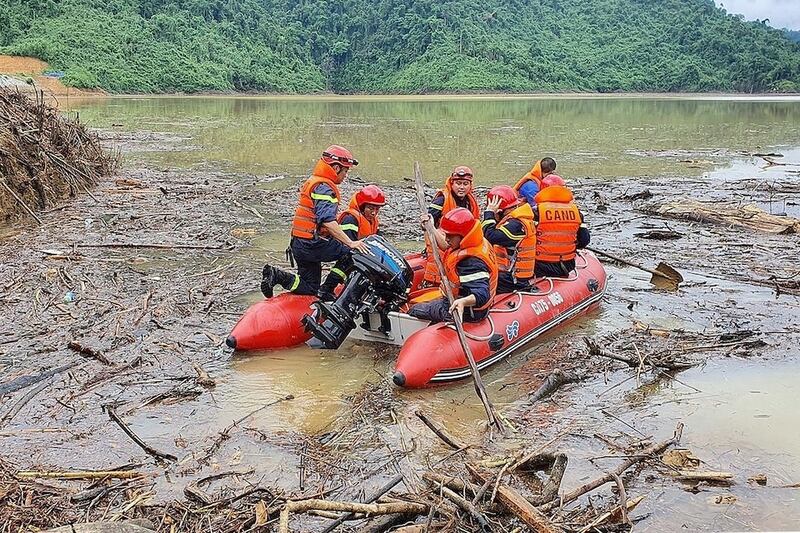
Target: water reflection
column 499, row 137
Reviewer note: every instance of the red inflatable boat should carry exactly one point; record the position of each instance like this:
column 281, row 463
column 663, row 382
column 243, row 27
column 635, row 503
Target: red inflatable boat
column 433, row 354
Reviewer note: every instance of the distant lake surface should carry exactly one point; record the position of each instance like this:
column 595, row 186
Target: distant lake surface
column 589, row 136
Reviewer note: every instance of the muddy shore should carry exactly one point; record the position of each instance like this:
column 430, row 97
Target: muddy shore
column 138, row 289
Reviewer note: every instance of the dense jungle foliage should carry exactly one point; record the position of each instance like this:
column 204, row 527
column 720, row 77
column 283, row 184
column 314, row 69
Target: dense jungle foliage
column 409, row 46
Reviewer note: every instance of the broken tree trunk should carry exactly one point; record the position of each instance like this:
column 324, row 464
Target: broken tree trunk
column 89, row 474
column 516, row 504
column 748, row 216
column 553, row 382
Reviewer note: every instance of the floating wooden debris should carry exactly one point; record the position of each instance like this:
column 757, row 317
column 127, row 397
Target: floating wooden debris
column 44, row 156
column 748, row 216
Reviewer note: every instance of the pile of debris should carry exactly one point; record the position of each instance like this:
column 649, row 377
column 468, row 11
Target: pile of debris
column 44, row 156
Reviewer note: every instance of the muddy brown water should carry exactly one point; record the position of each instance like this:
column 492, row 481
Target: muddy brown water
column 739, row 412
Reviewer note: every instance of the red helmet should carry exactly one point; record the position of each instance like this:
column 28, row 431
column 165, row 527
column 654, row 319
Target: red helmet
column 459, row 221
column 462, row 173
column 337, row 154
column 553, row 179
column 508, row 196
column 371, row 194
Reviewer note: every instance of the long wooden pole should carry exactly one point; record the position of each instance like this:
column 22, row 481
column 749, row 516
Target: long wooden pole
column 494, row 420
column 631, row 263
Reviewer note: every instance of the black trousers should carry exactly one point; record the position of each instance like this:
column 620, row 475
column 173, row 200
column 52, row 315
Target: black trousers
column 506, row 283
column 309, row 254
column 554, row 270
column 439, row 311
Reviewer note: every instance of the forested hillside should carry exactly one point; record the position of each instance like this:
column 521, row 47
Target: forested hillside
column 407, row 46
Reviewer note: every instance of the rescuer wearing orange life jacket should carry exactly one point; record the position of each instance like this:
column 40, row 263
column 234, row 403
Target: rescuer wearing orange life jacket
column 359, row 221
column 508, row 226
column 531, row 183
column 316, row 235
column 471, row 267
column 457, row 192
column 560, row 230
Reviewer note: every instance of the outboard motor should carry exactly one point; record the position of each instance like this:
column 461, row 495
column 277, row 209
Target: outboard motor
column 378, row 282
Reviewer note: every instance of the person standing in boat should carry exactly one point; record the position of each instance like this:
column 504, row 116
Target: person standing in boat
column 359, row 221
column 470, row 266
column 316, row 235
column 457, row 192
column 560, row 229
column 508, row 226
column 531, row 183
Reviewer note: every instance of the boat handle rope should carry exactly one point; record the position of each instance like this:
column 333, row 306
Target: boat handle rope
column 518, row 304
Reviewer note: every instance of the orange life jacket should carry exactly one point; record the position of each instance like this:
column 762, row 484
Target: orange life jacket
column 534, row 175
column 521, row 264
column 557, row 227
column 305, row 224
column 431, row 272
column 365, row 227
column 472, row 245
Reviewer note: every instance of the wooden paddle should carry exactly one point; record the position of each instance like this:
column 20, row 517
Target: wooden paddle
column 663, row 271
column 462, row 338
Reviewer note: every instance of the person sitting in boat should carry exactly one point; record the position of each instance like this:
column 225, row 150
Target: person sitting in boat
column 531, row 183
column 316, row 235
column 471, row 267
column 508, row 226
column 359, row 221
column 457, row 192
column 560, row 230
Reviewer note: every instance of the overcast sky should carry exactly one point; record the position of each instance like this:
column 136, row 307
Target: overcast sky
column 781, row 13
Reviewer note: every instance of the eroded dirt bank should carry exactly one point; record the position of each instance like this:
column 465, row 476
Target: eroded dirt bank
column 126, row 300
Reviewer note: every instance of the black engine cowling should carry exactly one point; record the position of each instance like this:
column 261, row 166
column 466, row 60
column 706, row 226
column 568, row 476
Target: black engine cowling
column 378, row 282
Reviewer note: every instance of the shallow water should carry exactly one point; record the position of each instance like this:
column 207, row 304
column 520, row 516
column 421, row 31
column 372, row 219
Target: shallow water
column 743, row 420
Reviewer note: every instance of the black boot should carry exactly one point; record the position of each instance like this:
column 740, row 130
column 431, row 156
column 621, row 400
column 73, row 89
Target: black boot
column 325, row 293
column 284, row 279
column 268, row 281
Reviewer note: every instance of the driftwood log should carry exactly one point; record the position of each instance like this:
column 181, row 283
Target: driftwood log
column 89, row 474
column 12, row 412
column 440, row 432
column 555, row 465
column 26, row 381
column 650, row 451
column 614, row 515
column 553, row 382
column 747, row 216
column 634, row 362
column 112, row 414
column 374, row 496
column 349, row 507
column 708, row 476
column 516, row 504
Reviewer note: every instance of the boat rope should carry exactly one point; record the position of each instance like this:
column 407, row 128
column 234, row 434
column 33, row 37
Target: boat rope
column 573, row 275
